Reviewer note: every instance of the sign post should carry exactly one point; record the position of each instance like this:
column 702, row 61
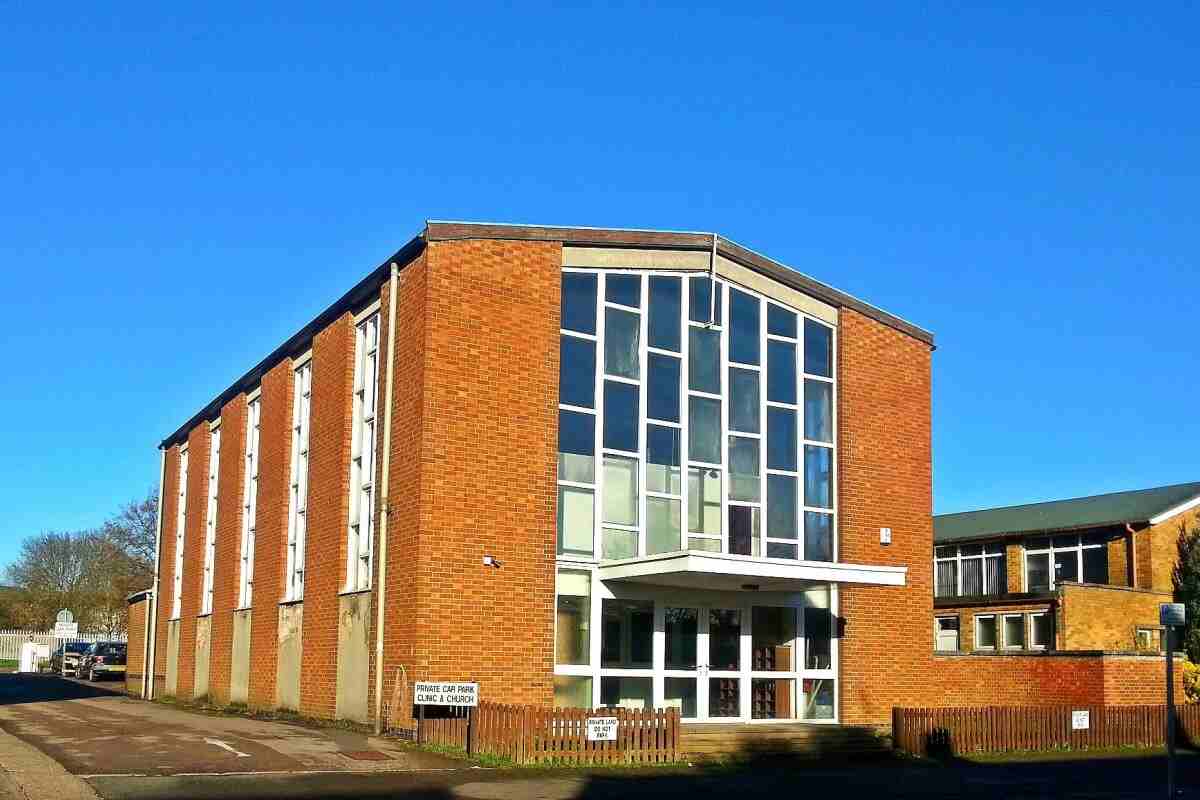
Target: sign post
column 65, row 627
column 1169, row 616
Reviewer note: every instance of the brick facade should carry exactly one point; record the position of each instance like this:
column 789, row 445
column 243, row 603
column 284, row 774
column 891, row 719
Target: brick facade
column 1105, row 618
column 227, row 562
column 199, row 441
column 135, row 656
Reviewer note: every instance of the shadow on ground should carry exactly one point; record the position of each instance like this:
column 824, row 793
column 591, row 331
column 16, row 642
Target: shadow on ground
column 46, row 687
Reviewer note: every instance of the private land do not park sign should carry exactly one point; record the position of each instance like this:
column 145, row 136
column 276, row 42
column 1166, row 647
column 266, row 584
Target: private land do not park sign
column 432, row 693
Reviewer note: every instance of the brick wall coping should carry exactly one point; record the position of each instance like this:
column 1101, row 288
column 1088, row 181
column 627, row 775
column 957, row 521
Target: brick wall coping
column 1052, row 654
column 1105, row 586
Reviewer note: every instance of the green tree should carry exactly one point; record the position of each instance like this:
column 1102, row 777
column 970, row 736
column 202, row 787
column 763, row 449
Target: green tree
column 1187, row 587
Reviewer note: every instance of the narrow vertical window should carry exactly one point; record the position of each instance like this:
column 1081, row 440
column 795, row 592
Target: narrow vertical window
column 298, row 493
column 362, row 454
column 180, row 524
column 210, row 521
column 249, row 505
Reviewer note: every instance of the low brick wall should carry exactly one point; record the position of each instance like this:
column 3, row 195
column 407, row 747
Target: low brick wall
column 135, row 653
column 1095, row 617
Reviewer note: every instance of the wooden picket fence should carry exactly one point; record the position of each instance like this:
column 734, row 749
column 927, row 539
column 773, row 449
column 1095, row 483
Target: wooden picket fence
column 1014, row 728
column 533, row 735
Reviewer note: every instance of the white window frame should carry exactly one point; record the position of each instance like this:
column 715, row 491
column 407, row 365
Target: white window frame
column 958, row 558
column 975, row 630
column 937, row 633
column 298, row 484
column 210, row 519
column 362, row 454
column 1051, row 551
column 1002, row 631
column 1030, row 640
column 180, row 526
column 250, row 500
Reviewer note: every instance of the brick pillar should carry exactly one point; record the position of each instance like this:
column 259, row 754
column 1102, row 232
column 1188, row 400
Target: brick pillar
column 270, row 541
column 1014, row 555
column 199, row 440
column 229, row 538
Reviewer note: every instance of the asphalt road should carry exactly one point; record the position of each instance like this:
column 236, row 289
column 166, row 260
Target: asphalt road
column 63, row 739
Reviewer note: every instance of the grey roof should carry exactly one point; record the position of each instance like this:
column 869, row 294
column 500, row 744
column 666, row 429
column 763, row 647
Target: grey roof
column 1116, row 508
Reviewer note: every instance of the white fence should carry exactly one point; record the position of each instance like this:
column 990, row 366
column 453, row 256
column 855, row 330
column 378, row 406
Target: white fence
column 11, row 641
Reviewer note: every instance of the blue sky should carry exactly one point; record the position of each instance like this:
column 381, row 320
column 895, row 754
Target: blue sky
column 182, row 189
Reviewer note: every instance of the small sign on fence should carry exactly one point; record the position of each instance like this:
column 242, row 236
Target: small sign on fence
column 601, row 729
column 66, row 630
column 1081, row 720
column 432, row 693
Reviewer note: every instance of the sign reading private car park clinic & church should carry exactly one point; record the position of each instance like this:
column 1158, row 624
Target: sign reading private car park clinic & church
column 435, row 693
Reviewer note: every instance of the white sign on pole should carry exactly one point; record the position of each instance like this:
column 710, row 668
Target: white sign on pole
column 66, row 630
column 65, row 616
column 432, row 693
column 1172, row 614
column 601, row 729
column 1081, row 720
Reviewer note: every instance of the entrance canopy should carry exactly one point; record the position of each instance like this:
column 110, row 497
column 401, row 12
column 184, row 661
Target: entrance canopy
column 697, row 569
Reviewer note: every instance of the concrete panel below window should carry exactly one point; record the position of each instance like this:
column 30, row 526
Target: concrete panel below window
column 172, row 658
column 353, row 656
column 239, row 667
column 290, row 655
column 203, row 650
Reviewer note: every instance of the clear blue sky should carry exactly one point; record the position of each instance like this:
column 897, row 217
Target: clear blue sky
column 184, row 189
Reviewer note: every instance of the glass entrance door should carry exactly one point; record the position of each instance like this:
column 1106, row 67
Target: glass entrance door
column 724, row 663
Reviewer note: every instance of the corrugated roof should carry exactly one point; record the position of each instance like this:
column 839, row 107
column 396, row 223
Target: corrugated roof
column 1116, row 508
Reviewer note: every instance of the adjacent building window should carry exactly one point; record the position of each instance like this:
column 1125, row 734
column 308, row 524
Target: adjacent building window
column 1014, row 631
column 298, row 495
column 693, row 415
column 1050, row 560
column 970, row 570
column 1041, row 631
column 362, row 455
column 180, row 524
column 249, row 504
column 946, row 634
column 210, row 520
column 985, row 632
column 573, row 619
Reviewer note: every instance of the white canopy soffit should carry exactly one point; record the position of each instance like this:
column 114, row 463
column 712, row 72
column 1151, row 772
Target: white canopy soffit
column 697, row 569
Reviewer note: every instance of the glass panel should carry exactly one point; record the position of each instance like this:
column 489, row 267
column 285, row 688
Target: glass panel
column 818, row 536
column 1042, row 631
column 972, row 577
column 623, row 289
column 780, row 321
column 662, row 388
column 771, row 698
column 780, row 550
column 704, row 360
column 724, row 639
column 575, row 520
column 662, row 459
column 724, row 697
column 946, row 639
column 781, row 372
column 708, row 545
column 818, row 638
column 579, row 302
column 1063, row 542
column 572, row 691
column 577, row 372
column 704, row 429
column 682, row 626
column 621, row 416
column 1014, row 630
column 662, row 525
column 773, row 634
column 743, row 400
column 1066, row 566
column 781, row 508
column 576, row 447
column 665, row 312
column 818, row 476
column 743, row 328
column 1095, row 539
column 704, row 500
column 616, row 543
column 680, row 693
column 744, row 483
column 781, row 439
column 818, row 349
column 985, row 633
column 573, row 620
column 818, row 698
column 995, row 576
column 699, row 299
column 620, row 490
column 631, row 693
column 1095, row 565
column 970, row 550
column 995, row 548
column 626, row 633
column 1040, row 543
column 743, row 531
column 1037, row 568
column 944, row 551
column 621, row 339
column 818, row 411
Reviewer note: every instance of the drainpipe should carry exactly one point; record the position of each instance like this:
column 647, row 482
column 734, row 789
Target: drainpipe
column 386, row 510
column 150, row 648
column 1131, row 554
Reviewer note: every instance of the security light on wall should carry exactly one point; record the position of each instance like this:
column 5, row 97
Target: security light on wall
column 885, row 536
column 491, row 561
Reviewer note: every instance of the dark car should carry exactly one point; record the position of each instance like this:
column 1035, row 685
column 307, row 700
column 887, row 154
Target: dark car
column 103, row 660
column 70, row 664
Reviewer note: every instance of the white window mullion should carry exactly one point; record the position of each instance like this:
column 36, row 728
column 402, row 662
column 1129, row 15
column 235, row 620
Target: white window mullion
column 298, row 495
column 249, row 504
column 210, row 521
column 180, row 525
column 362, row 455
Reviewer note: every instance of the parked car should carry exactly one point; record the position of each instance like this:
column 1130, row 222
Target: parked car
column 68, row 664
column 103, row 660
